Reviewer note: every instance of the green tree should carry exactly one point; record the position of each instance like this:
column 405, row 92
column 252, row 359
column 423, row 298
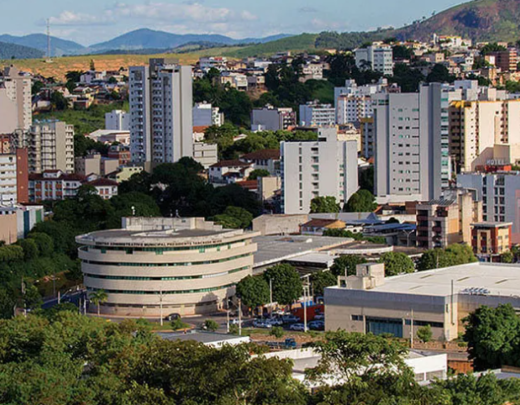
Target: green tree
column 211, row 325
column 44, row 243
column 277, row 332
column 177, row 324
column 97, row 298
column 254, row 291
column 234, row 218
column 255, row 174
column 346, row 264
column 453, row 255
column 424, row 333
column 30, row 249
column 440, row 74
column 321, row 280
column 362, row 201
column 493, row 337
column 286, row 282
column 59, row 102
column 366, row 179
column 492, row 47
column 357, row 358
column 396, row 263
column 507, row 257
column 324, row 205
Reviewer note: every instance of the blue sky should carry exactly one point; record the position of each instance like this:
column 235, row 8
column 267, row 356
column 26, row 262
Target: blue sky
column 92, row 21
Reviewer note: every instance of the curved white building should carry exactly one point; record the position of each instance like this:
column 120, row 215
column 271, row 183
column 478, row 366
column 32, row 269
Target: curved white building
column 157, row 266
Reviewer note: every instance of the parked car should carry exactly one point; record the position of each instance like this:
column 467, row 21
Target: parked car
column 275, row 321
column 319, row 317
column 316, row 325
column 235, row 321
column 297, row 327
column 260, row 323
column 290, row 319
column 173, row 317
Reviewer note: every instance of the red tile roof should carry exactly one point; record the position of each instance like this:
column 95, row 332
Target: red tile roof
column 231, row 163
column 200, row 129
column 264, row 154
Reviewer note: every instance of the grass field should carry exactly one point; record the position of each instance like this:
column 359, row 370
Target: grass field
column 60, row 66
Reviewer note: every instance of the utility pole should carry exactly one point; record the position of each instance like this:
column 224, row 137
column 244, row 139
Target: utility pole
column 227, row 313
column 161, row 308
column 411, row 332
column 271, row 295
column 239, row 317
column 305, row 294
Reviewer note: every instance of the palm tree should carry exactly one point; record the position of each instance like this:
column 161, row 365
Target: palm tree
column 99, row 297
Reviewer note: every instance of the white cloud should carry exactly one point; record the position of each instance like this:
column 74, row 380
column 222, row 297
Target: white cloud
column 183, row 13
column 70, row 18
column 319, row 24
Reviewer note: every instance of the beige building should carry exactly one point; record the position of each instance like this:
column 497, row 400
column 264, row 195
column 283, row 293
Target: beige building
column 94, row 163
column 369, row 302
column 268, row 186
column 205, row 153
column 8, row 225
column 50, row 145
column 157, row 266
column 124, row 173
column 15, row 100
column 441, row 223
column 491, row 239
column 279, row 224
column 477, row 126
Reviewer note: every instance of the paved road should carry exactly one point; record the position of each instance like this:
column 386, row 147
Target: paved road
column 73, row 297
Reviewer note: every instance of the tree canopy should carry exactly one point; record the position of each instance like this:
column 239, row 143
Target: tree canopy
column 396, row 263
column 361, row 201
column 451, row 256
column 286, row 282
column 254, row 291
column 324, row 205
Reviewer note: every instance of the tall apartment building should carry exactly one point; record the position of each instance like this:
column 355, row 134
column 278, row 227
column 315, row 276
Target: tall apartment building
column 205, row 115
column 476, row 126
column 377, row 57
column 161, row 122
column 444, row 222
column 412, row 161
column 500, row 196
column 506, row 61
column 14, row 178
column 50, row 146
column 270, row 118
column 117, row 120
column 323, row 168
column 315, row 114
column 15, row 100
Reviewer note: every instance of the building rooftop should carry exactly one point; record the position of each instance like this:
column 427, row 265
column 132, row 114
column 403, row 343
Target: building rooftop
column 275, row 249
column 204, row 337
column 491, row 224
column 490, row 278
column 231, row 163
column 325, row 223
column 264, row 154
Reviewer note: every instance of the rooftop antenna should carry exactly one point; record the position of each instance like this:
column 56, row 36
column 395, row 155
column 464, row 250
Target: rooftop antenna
column 49, row 56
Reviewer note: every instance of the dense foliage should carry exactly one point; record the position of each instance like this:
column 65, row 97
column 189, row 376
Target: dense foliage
column 361, row 201
column 396, row 263
column 286, row 282
column 324, row 205
column 451, row 256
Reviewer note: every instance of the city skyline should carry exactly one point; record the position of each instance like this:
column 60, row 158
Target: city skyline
column 97, row 21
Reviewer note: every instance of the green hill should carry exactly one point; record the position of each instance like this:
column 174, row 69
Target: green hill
column 301, row 42
column 12, row 51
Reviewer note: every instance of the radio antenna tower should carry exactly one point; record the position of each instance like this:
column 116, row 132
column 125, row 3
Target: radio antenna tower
column 49, row 56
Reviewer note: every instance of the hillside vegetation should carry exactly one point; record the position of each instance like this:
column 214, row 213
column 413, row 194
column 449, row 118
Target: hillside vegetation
column 12, row 51
column 303, row 42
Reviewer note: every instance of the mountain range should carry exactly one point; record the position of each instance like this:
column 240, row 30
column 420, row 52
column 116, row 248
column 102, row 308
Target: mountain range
column 137, row 40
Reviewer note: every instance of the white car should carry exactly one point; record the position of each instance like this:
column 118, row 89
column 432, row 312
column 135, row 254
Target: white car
column 236, row 322
column 259, row 323
column 300, row 327
column 275, row 321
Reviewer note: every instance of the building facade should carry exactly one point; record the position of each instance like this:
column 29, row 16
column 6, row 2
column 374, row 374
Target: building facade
column 377, row 57
column 50, row 146
column 370, row 303
column 117, row 120
column 314, row 114
column 323, row 168
column 491, row 239
column 161, row 122
column 499, row 194
column 272, row 119
column 15, row 100
column 156, row 266
column 411, row 147
column 205, row 115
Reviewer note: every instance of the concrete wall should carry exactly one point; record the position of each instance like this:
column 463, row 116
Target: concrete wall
column 279, row 224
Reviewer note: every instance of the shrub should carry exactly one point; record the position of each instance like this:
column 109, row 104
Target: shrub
column 277, row 332
column 210, row 325
column 424, row 333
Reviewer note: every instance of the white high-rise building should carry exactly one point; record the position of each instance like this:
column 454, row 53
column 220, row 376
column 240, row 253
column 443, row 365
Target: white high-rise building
column 8, row 180
column 117, row 120
column 15, row 100
column 205, row 115
column 317, row 115
column 412, row 161
column 377, row 57
column 161, row 103
column 323, row 168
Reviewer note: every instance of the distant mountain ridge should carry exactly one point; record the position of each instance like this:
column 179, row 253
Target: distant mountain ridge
column 13, row 51
column 59, row 47
column 150, row 39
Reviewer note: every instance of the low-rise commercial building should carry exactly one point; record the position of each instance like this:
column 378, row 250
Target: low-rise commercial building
column 442, row 298
column 156, row 266
column 316, row 114
column 491, row 239
column 270, row 118
column 205, row 153
column 205, row 115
